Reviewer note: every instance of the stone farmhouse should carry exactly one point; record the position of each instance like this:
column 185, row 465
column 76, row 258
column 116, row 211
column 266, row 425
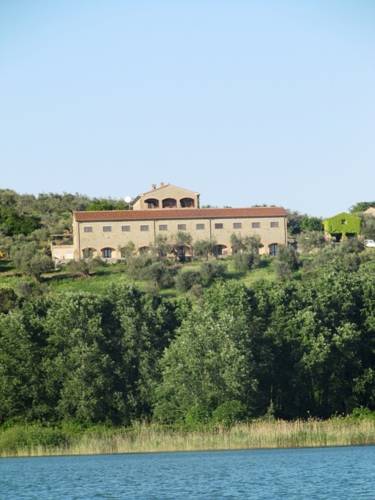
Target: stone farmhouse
column 167, row 210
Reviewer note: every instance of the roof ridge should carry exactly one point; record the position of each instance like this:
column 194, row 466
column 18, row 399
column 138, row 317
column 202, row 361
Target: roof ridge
column 168, row 185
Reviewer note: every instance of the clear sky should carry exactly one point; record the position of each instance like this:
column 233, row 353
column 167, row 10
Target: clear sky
column 247, row 102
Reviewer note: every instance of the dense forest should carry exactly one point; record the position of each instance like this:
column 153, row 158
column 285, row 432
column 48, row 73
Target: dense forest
column 299, row 345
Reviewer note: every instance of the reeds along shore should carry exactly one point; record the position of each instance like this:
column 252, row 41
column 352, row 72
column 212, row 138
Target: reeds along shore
column 46, row 441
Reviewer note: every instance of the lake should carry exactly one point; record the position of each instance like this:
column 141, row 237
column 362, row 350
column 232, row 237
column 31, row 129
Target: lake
column 311, row 473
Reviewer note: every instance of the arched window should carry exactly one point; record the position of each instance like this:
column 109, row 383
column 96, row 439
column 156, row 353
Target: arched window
column 187, row 203
column 152, row 203
column 107, row 253
column 169, row 203
column 88, row 253
column 273, row 249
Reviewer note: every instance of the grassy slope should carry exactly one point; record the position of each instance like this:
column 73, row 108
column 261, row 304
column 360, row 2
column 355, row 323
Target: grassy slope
column 105, row 276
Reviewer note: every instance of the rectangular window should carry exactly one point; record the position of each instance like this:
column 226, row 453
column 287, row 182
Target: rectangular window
column 144, row 228
column 199, row 227
column 181, row 227
column 87, row 229
column 274, row 224
column 107, row 229
column 219, row 225
column 237, row 225
column 255, row 225
column 163, row 227
column 125, row 229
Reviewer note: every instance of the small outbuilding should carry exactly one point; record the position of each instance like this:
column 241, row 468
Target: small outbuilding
column 342, row 226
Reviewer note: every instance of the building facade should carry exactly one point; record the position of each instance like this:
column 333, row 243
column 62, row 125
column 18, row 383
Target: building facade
column 342, row 226
column 166, row 211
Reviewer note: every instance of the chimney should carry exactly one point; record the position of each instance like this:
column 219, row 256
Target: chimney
column 153, row 186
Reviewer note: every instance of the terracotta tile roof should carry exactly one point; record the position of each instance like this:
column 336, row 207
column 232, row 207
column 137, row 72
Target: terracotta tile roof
column 184, row 213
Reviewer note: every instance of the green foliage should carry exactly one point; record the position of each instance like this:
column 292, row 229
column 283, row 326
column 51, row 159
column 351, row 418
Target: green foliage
column 146, row 267
column 137, row 265
column 195, row 416
column 207, row 364
column 243, row 262
column 107, row 204
column 361, row 206
column 39, row 217
column 162, row 247
column 203, row 248
column 8, row 299
column 83, row 357
column 344, row 257
column 229, row 413
column 83, row 267
column 30, row 260
column 286, row 262
column 185, row 279
column 180, row 242
column 368, row 228
column 343, row 223
column 351, row 245
column 309, row 241
column 246, row 252
column 22, row 345
column 288, row 349
column 12, row 223
column 31, row 436
column 28, row 288
column 294, row 222
column 298, row 223
column 128, row 250
column 161, row 274
column 248, row 244
column 210, row 271
column 311, row 224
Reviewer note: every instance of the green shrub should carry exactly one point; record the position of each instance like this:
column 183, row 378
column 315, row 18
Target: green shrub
column 82, row 267
column 185, row 279
column 136, row 266
column 203, row 248
column 128, row 250
column 29, row 259
column 229, row 413
column 8, row 299
column 286, row 262
column 363, row 414
column 311, row 240
column 29, row 436
column 13, row 223
column 196, row 416
column 210, row 271
column 352, row 245
column 243, row 262
column 161, row 274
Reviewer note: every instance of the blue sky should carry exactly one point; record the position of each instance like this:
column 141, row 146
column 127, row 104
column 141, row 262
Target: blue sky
column 246, row 102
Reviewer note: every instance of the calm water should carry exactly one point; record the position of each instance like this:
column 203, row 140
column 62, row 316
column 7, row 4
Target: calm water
column 320, row 473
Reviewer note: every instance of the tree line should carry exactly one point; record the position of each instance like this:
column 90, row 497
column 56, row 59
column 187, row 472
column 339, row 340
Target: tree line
column 294, row 348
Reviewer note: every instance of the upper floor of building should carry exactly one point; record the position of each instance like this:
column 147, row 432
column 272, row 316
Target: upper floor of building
column 166, row 196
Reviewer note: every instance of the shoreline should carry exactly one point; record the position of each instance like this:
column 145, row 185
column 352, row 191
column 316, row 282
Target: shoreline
column 38, row 441
column 203, row 450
